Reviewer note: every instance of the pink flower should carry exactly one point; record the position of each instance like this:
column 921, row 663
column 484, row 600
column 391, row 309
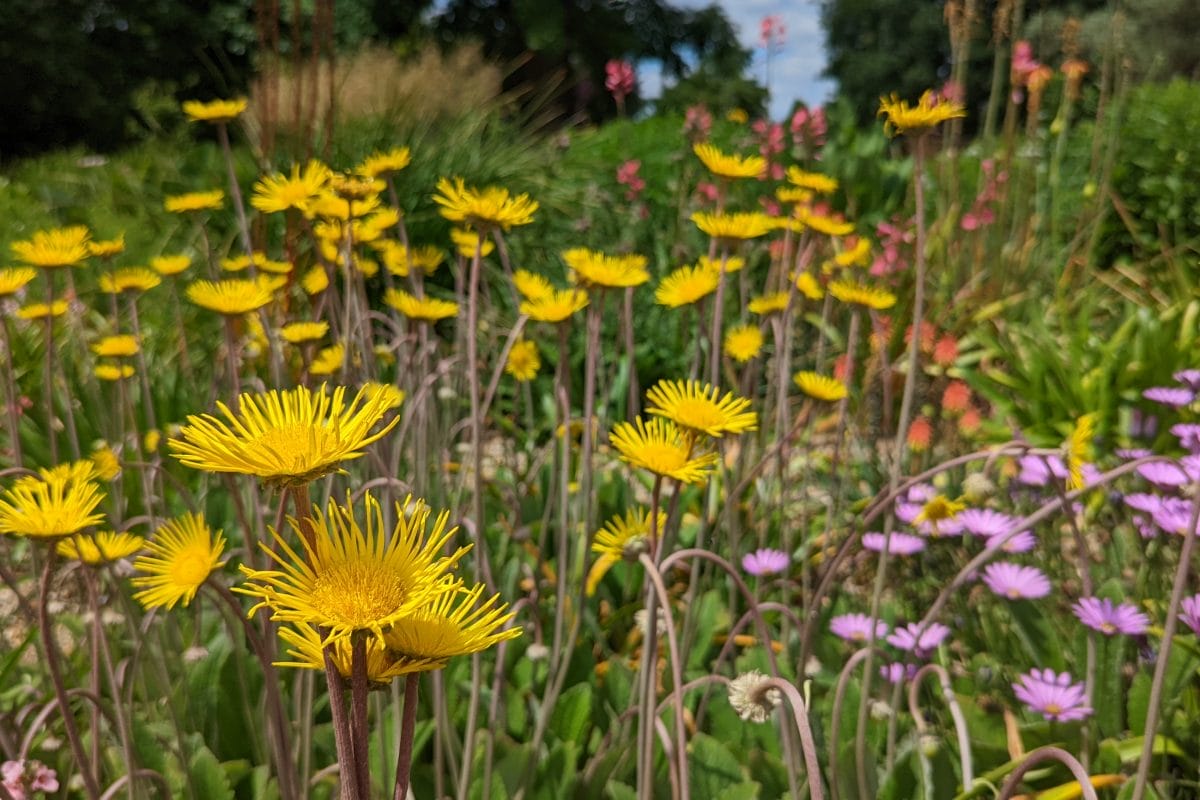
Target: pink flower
column 697, row 123
column 1023, row 62
column 619, row 79
column 1053, row 695
column 707, row 192
column 770, row 31
column 627, row 176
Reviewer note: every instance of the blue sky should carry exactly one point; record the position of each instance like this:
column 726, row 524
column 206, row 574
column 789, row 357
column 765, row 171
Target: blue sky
column 795, row 69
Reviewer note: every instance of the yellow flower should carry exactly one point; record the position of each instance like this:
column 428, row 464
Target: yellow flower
column 556, row 306
column 379, row 164
column 591, row 268
column 107, row 248
column 116, row 346
column 727, row 166
column 660, row 447
column 859, row 294
column 452, row 623
column 388, row 394
column 773, row 303
column 820, row 387
column 820, row 223
column 733, row 226
column 532, row 286
column 938, row 508
column 621, row 538
column 194, row 201
column 57, row 503
column 466, row 241
column 100, row 548
column 346, row 579
column 858, row 255
column 170, row 265
column 731, row 263
column 286, row 438
column 215, row 111
column 151, row 440
column 57, row 247
column 350, row 186
column 42, row 310
column 376, row 225
column 298, row 332
column 315, row 281
column 927, row 113
column 699, row 407
column 738, row 116
column 685, row 286
column 14, row 279
column 427, row 309
column 523, row 360
column 114, row 372
column 230, row 297
column 483, row 208
column 129, row 279
column 399, row 260
column 183, row 553
column 308, row 651
column 330, row 206
column 793, row 194
column 812, row 181
column 743, row 342
column 1078, row 449
column 279, row 192
column 808, row 286
column 329, row 360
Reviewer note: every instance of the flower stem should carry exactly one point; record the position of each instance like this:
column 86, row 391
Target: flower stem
column 10, row 396
column 358, row 714
column 407, row 723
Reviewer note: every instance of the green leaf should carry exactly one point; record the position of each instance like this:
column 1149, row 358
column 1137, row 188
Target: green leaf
column 713, row 767
column 572, row 712
column 619, row 791
column 1130, row 750
column 208, row 776
column 747, row 790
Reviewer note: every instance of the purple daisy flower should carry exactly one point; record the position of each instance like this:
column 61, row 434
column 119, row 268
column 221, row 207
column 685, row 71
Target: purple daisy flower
column 765, row 562
column 1053, row 695
column 1163, row 473
column 985, row 522
column 901, row 544
column 856, row 627
column 906, row 638
column 1143, row 501
column 1191, row 613
column 945, row 529
column 907, row 512
column 1101, row 614
column 1015, row 581
column 1021, row 542
column 1175, row 396
column 1189, row 378
column 1188, row 434
column 1174, row 515
column 1038, row 470
column 897, row 672
column 921, row 493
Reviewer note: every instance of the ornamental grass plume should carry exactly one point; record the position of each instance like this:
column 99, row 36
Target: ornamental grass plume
column 182, row 554
column 1053, row 695
column 700, row 408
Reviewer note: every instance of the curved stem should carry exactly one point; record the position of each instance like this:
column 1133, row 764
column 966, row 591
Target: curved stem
column 676, row 673
column 835, row 725
column 808, row 744
column 1043, row 754
column 407, row 724
column 960, row 722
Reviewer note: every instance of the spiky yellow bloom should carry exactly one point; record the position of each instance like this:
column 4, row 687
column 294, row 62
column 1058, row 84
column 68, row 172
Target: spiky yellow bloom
column 151, row 440
column 315, row 281
column 808, row 286
column 351, row 186
column 391, row 396
column 105, row 463
column 59, row 502
column 57, row 247
column 129, row 279
column 114, row 372
column 812, row 181
column 485, row 208
column 927, row 113
column 42, row 310
column 379, row 164
column 194, row 201
column 557, row 306
column 299, row 332
column 308, row 652
column 592, row 268
column 329, row 205
column 621, row 538
column 662, row 448
column 793, row 194
column 427, row 309
column 183, row 553
column 103, row 547
column 699, row 407
column 743, row 342
column 116, row 346
column 279, row 192
column 685, row 286
column 860, row 294
column 467, row 241
column 347, row 579
column 400, row 260
column 773, row 303
column 729, row 263
column 858, row 255
column 14, row 279
column 215, row 111
column 523, row 360
column 807, row 218
column 452, row 623
column 108, row 247
column 531, row 285
column 170, row 265
column 820, row 387
column 328, row 361
column 377, row 225
column 1078, row 449
column 260, row 261
column 231, row 297
column 727, row 166
column 733, row 226
column 286, row 438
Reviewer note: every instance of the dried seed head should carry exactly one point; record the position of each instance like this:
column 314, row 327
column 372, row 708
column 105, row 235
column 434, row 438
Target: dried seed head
column 751, row 698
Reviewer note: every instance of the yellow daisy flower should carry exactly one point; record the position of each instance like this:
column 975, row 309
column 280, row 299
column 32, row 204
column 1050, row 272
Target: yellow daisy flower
column 107, row 248
column 1078, row 449
column 621, row 538
column 391, row 396
column 809, row 287
column 14, row 279
column 555, row 307
column 183, row 553
column 685, row 286
column 731, row 263
column 114, row 372
column 105, row 463
column 727, row 166
column 820, row 387
column 330, row 206
column 733, row 226
column 483, row 208
column 300, row 332
column 57, row 503
column 129, row 279
column 452, row 623
column 738, row 116
column 699, row 407
column 170, row 265
column 859, row 294
column 329, row 361
column 194, row 201
column 151, row 440
column 591, row 268
column 938, row 508
column 532, row 286
column 103, row 547
column 523, row 360
column 858, row 255
column 399, row 260
column 427, row 309
column 230, row 297
column 279, row 192
column 286, row 438
column 308, row 652
column 820, row 223
column 811, row 181
column 774, row 303
column 215, row 111
column 42, row 310
column 116, row 346
column 379, row 164
column 350, row 186
column 660, row 447
column 315, row 281
column 57, row 247
column 466, row 241
column 927, row 113
column 793, row 195
column 743, row 342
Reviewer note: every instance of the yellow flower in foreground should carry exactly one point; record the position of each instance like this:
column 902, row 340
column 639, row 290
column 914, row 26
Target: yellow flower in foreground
column 483, row 208
column 215, row 110
column 58, row 247
column 279, row 192
column 286, row 438
column 1078, row 449
column 555, row 307
column 773, row 303
column 107, row 248
column 466, row 241
column 591, row 268
column 231, row 297
column 58, row 503
column 346, row 579
column 42, row 310
column 858, row 294
column 426, row 309
column 685, row 286
column 183, row 553
column 937, row 509
column 812, row 181
column 660, row 447
column 379, row 164
column 927, row 113
column 299, row 332
column 453, row 623
column 820, row 387
column 621, row 538
column 733, row 226
column 129, row 279
column 523, row 360
column 14, row 279
column 114, row 372
column 727, row 166
column 699, row 407
column 116, row 346
column 194, row 201
column 330, row 360
column 170, row 265
column 308, row 652
column 531, row 285
column 100, row 548
column 743, row 342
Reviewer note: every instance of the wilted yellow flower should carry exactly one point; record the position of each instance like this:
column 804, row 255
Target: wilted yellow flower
column 231, row 297
column 685, row 286
column 279, row 192
column 466, row 241
column 556, row 306
column 107, row 248
column 927, row 113
column 591, row 268
column 194, row 201
column 727, row 166
column 328, row 361
column 820, row 387
column 812, row 181
column 299, row 332
column 42, row 310
column 57, row 247
column 116, row 346
column 170, row 265
column 732, row 226
column 114, row 372
column 99, row 548
column 700, row 408
column 129, row 279
column 743, row 342
column 183, row 553
column 523, row 360
column 215, row 111
column 483, row 208
column 621, row 538
column 379, row 164
column 859, row 294
column 427, row 309
column 659, row 446
column 773, row 303
column 14, row 279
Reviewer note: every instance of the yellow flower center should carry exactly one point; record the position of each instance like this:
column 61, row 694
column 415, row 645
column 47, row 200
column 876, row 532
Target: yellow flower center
column 662, row 457
column 297, row 444
column 693, row 412
column 358, row 592
column 191, row 565
column 1053, row 708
